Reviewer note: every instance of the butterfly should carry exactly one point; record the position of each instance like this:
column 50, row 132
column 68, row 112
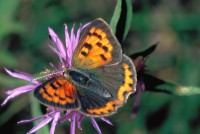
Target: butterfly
column 101, row 79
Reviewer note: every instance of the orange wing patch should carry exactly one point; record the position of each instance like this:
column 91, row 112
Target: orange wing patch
column 127, row 87
column 56, row 91
column 110, row 107
column 96, row 50
column 97, row 47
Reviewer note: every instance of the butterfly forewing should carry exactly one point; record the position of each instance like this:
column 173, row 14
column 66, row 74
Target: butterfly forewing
column 57, row 92
column 97, row 47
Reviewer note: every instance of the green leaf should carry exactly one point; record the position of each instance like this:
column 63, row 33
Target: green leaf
column 116, row 16
column 179, row 90
column 128, row 18
column 36, row 111
column 154, row 84
column 121, row 20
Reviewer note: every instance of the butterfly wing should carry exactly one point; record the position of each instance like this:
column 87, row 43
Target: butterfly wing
column 97, row 47
column 57, row 92
column 120, row 79
column 95, row 104
column 108, row 88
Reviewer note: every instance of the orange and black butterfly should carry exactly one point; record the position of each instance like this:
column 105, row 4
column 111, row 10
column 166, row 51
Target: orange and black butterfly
column 100, row 80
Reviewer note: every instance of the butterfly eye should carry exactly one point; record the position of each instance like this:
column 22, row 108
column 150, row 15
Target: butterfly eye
column 78, row 77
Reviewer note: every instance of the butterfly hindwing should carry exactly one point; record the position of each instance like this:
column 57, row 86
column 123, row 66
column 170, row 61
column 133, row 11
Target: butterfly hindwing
column 57, row 92
column 119, row 79
column 95, row 104
column 108, row 88
column 97, row 46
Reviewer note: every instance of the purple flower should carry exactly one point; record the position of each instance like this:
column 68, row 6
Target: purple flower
column 65, row 53
column 23, row 89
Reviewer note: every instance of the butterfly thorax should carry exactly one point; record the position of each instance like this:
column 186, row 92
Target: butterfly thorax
column 76, row 76
column 83, row 79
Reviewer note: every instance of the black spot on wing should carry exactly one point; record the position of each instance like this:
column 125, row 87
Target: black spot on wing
column 88, row 46
column 84, row 53
column 45, row 91
column 58, row 83
column 89, row 34
column 105, row 48
column 103, row 57
column 53, row 86
column 97, row 35
column 99, row 44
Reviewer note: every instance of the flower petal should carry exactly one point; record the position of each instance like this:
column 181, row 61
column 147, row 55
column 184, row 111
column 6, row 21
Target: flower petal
column 77, row 37
column 72, row 35
column 37, row 118
column 139, row 88
column 106, row 120
column 59, row 55
column 66, row 117
column 54, row 123
column 21, row 75
column 31, row 120
column 17, row 91
column 80, row 118
column 96, row 126
column 68, row 44
column 78, row 34
column 54, row 50
column 21, row 89
column 40, row 125
column 58, row 43
column 73, row 123
column 135, row 105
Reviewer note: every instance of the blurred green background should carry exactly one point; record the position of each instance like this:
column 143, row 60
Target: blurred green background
column 174, row 24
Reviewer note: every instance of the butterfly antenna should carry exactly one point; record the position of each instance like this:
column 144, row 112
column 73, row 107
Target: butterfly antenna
column 48, row 75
